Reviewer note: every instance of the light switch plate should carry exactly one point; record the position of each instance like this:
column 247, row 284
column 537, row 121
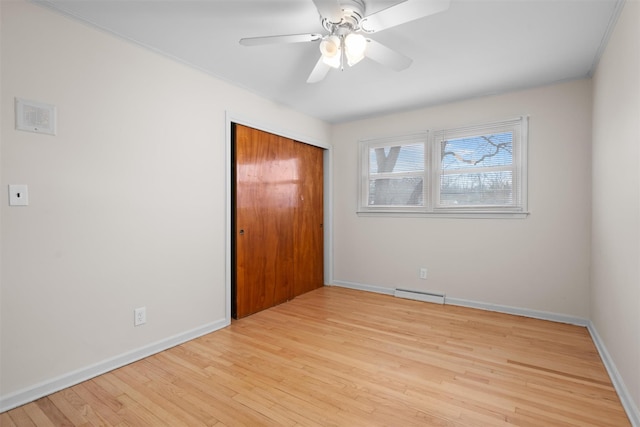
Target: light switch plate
column 18, row 195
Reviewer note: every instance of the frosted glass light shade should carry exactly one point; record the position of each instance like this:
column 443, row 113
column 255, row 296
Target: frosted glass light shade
column 355, row 46
column 331, row 51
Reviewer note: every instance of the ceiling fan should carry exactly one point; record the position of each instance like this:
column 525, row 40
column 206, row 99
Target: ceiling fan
column 346, row 22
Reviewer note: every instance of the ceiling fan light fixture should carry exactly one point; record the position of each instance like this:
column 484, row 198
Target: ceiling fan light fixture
column 330, row 46
column 331, row 50
column 333, row 61
column 355, row 46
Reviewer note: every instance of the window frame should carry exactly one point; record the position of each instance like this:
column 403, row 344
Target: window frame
column 432, row 172
column 365, row 175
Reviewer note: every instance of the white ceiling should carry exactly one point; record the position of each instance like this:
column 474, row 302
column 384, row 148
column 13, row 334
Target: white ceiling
column 476, row 47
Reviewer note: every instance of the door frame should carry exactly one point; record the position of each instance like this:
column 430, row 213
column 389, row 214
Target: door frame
column 327, row 196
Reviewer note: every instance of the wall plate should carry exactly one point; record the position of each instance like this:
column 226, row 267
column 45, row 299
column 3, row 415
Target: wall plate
column 33, row 116
column 18, row 195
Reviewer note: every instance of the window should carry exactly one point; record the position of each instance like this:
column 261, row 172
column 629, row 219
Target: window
column 471, row 171
column 395, row 172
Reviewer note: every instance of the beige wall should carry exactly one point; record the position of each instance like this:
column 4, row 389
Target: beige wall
column 127, row 202
column 538, row 263
column 615, row 272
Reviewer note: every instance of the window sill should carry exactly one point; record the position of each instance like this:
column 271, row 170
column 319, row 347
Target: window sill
column 449, row 214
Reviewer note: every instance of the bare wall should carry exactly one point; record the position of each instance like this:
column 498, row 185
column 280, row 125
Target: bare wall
column 615, row 289
column 538, row 263
column 127, row 202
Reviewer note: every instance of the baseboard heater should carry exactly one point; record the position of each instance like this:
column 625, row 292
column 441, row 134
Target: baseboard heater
column 419, row 295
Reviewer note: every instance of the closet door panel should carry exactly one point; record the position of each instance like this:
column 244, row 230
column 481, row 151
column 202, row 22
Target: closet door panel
column 308, row 231
column 264, row 197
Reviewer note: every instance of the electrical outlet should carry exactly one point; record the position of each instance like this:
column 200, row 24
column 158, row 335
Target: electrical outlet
column 423, row 273
column 139, row 316
column 18, row 195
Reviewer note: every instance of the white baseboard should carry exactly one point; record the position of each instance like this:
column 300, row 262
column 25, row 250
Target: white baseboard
column 526, row 312
column 362, row 287
column 618, row 383
column 53, row 385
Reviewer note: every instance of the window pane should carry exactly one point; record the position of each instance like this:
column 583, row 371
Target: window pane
column 396, row 192
column 399, row 158
column 477, row 151
column 474, row 189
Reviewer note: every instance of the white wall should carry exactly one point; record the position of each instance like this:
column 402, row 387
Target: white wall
column 615, row 289
column 127, row 202
column 539, row 263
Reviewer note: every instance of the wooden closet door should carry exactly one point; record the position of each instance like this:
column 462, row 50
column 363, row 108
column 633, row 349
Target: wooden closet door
column 308, row 234
column 265, row 192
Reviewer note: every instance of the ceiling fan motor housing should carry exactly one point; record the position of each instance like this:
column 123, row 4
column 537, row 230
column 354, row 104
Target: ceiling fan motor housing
column 352, row 14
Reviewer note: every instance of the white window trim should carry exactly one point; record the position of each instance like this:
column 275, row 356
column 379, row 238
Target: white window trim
column 363, row 193
column 431, row 176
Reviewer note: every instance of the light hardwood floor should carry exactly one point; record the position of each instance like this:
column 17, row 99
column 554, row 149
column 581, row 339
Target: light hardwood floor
column 349, row 358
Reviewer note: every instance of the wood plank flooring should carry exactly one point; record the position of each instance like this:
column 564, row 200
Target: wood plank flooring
column 339, row 357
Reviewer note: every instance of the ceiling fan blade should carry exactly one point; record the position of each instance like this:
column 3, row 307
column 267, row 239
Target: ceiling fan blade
column 291, row 38
column 329, row 9
column 401, row 13
column 386, row 56
column 319, row 71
